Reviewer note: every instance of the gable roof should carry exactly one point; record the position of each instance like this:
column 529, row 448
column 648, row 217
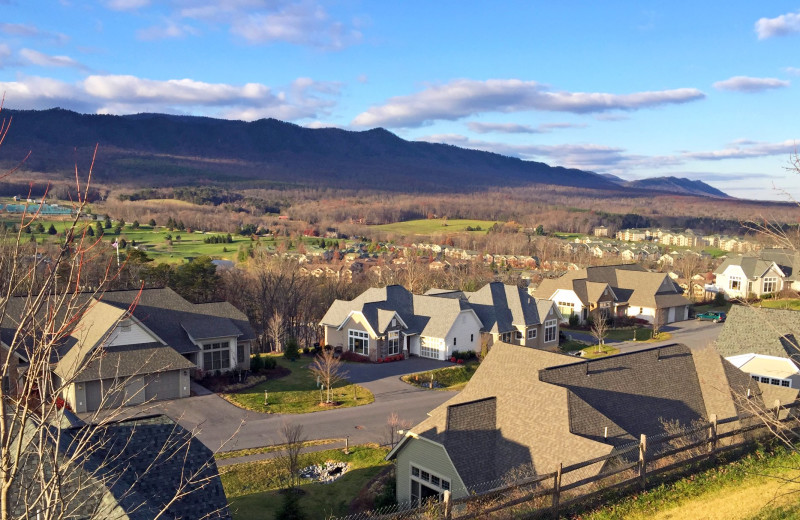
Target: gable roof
column 551, row 409
column 750, row 330
column 502, row 307
column 752, row 266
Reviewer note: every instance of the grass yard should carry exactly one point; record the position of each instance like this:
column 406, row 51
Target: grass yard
column 591, row 352
column 705, row 307
column 788, row 304
column 450, row 378
column 761, row 486
column 435, row 226
column 297, row 392
column 268, row 449
column 252, row 488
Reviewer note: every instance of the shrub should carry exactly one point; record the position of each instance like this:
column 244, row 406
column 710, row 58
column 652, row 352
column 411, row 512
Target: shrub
column 352, row 356
column 270, row 363
column 256, row 363
column 292, row 350
column 574, row 320
column 719, row 299
column 464, row 356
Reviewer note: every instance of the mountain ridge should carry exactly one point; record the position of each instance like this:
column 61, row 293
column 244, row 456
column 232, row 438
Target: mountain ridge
column 163, row 149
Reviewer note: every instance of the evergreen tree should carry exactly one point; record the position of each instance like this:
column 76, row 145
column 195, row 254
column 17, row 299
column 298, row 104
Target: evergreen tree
column 135, row 224
column 52, row 230
column 152, row 222
column 98, row 229
column 107, row 222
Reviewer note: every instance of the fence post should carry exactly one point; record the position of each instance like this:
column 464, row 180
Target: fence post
column 643, row 461
column 447, row 505
column 712, row 437
column 557, row 490
column 777, row 409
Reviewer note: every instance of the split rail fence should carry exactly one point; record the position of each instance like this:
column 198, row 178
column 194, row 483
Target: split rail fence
column 626, row 468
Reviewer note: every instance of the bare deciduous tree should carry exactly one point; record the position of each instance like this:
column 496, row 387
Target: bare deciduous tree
column 329, row 369
column 293, row 438
column 393, row 426
column 599, row 329
column 276, row 331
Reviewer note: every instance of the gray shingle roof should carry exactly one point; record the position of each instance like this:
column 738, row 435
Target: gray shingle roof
column 551, row 409
column 131, row 360
column 752, row 266
column 751, row 330
column 500, row 307
column 145, row 462
column 208, row 327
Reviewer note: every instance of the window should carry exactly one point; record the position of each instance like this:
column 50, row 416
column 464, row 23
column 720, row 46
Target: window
column 471, row 338
column 735, row 283
column 550, row 327
column 426, row 486
column 786, row 383
column 216, row 356
column 431, row 347
column 755, row 377
column 770, row 285
column 775, row 382
column 765, row 380
column 454, row 341
column 358, row 342
column 517, row 335
column 566, row 309
column 532, row 333
column 394, row 342
column 240, row 353
column 505, row 337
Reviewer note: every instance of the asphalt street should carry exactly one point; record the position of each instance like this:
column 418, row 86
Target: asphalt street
column 224, row 427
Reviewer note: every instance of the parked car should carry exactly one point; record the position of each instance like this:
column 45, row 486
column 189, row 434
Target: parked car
column 715, row 316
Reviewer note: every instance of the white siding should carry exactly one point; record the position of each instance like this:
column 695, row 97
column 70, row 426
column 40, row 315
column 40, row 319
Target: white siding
column 430, row 456
column 133, row 334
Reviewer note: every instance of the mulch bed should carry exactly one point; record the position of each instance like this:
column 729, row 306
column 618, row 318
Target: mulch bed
column 222, row 384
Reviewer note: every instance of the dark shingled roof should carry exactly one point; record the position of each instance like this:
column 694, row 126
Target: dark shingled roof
column 131, row 360
column 750, row 330
column 209, row 327
column 500, row 307
column 550, row 409
column 145, row 462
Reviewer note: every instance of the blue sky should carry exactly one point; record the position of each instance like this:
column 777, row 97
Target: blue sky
column 705, row 90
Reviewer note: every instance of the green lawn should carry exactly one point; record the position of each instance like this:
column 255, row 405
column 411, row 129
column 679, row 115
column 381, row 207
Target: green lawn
column 705, row 307
column 252, row 488
column 759, row 486
column 592, row 352
column 184, row 245
column 790, row 304
column 268, row 449
column 450, row 378
column 434, row 226
column 297, row 392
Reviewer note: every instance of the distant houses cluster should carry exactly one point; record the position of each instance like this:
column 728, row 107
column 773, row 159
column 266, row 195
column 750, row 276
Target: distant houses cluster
column 687, row 238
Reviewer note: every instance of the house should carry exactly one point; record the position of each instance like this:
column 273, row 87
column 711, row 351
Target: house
column 617, row 290
column 745, row 276
column 129, row 347
column 601, row 231
column 391, row 321
column 764, row 343
column 139, row 468
column 529, row 410
column 789, row 262
column 509, row 314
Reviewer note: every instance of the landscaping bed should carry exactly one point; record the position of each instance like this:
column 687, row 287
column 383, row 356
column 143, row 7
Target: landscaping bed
column 296, row 391
column 449, row 378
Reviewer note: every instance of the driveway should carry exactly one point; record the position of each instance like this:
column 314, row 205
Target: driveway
column 692, row 333
column 217, row 421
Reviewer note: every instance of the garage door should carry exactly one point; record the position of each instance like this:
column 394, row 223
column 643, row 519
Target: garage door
column 165, row 385
column 671, row 317
column 95, row 390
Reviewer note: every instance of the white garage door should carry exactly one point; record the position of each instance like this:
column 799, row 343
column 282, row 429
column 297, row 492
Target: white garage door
column 95, row 390
column 671, row 316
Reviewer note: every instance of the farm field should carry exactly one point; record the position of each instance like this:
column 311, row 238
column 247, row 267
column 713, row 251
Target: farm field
column 435, row 226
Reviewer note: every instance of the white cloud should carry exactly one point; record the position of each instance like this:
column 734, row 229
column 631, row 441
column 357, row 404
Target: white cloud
column 794, row 71
column 463, row 97
column 31, row 31
column 127, row 5
column 34, row 57
column 116, row 94
column 745, row 149
column 503, row 128
column 5, row 54
column 169, row 29
column 782, row 25
column 750, row 85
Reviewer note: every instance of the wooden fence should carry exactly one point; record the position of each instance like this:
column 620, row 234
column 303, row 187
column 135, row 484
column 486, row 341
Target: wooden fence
column 624, row 469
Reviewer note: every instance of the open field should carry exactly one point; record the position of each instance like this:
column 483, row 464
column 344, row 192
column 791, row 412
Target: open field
column 297, row 392
column 160, row 244
column 435, row 226
column 760, row 486
column 253, row 488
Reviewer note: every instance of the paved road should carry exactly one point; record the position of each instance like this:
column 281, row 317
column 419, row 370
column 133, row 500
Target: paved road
column 217, row 420
column 693, row 334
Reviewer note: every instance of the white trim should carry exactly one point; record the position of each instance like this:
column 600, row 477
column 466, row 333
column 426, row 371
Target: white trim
column 366, row 323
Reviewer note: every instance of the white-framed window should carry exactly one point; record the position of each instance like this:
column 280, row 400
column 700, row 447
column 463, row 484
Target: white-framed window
column 770, row 285
column 735, row 283
column 505, row 337
column 566, row 309
column 216, row 356
column 393, row 342
column 773, row 381
column 358, row 342
column 550, row 327
column 517, row 335
column 431, row 347
column 532, row 333
column 426, row 486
